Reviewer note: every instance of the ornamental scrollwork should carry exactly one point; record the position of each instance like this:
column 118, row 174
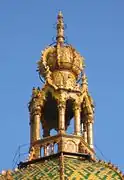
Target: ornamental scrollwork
column 36, row 92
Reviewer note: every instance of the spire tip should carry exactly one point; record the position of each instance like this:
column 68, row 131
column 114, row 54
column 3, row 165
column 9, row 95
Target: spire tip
column 60, row 28
column 60, row 14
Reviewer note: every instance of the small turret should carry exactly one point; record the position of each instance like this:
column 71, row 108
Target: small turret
column 60, row 100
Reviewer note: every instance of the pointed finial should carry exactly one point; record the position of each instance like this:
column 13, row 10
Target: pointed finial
column 60, row 29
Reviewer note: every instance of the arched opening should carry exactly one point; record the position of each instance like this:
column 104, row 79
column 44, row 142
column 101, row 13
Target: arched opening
column 55, row 148
column 50, row 116
column 69, row 117
column 42, row 152
column 41, row 130
column 70, row 128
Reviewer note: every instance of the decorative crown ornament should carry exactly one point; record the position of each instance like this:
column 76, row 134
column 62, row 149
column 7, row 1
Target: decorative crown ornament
column 61, row 57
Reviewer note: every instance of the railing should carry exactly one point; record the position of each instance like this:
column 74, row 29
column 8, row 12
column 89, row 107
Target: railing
column 68, row 143
column 21, row 154
column 52, row 145
column 49, row 149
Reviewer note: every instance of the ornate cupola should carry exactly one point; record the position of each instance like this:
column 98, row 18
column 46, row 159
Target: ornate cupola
column 64, row 96
column 61, row 99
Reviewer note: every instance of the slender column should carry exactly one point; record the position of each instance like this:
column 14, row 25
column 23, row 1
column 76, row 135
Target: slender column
column 90, row 132
column 61, row 112
column 35, row 129
column 35, row 124
column 77, row 119
column 85, row 132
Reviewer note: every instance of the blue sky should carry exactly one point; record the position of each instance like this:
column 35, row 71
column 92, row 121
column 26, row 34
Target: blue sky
column 96, row 29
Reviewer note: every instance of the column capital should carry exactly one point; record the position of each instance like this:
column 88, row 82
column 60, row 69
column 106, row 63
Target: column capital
column 77, row 106
column 90, row 119
column 36, row 111
column 61, row 104
column 35, row 103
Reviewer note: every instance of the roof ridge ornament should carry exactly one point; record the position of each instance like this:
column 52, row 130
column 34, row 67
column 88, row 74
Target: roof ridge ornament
column 60, row 29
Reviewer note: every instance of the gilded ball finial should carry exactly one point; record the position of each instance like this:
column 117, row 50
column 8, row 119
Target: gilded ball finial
column 60, row 29
column 60, row 14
